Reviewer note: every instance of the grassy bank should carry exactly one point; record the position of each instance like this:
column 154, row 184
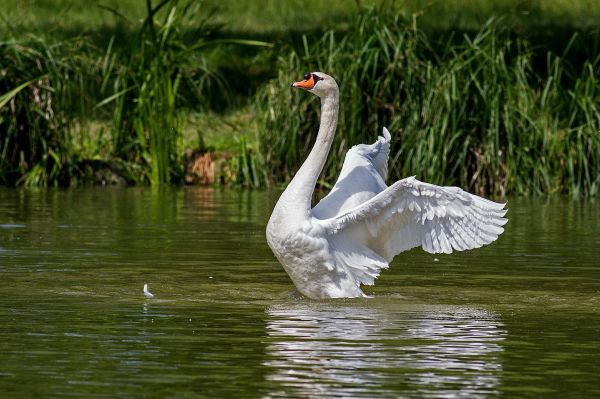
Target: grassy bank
column 471, row 111
column 120, row 94
column 74, row 111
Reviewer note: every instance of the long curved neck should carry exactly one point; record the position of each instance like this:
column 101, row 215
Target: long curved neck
column 299, row 192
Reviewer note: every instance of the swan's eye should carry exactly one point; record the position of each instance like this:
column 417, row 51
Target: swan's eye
column 307, row 75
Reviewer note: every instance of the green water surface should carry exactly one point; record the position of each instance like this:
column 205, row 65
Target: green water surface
column 519, row 318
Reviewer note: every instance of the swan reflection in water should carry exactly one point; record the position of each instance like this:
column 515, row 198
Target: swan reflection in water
column 317, row 350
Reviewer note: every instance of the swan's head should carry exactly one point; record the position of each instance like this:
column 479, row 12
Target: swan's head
column 318, row 83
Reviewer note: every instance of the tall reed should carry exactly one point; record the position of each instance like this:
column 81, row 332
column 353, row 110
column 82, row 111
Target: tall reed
column 472, row 113
column 146, row 120
column 154, row 78
column 43, row 92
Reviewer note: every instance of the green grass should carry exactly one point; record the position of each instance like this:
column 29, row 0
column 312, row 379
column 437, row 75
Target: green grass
column 136, row 91
column 36, row 122
column 146, row 82
column 58, row 17
column 470, row 112
column 509, row 106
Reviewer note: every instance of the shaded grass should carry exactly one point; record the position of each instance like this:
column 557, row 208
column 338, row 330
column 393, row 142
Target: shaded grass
column 272, row 17
column 511, row 108
column 141, row 87
column 147, row 124
column 35, row 126
column 472, row 113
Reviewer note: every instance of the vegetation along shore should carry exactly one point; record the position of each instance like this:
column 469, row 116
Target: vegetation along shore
column 501, row 97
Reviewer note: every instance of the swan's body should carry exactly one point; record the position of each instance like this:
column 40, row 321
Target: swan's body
column 358, row 228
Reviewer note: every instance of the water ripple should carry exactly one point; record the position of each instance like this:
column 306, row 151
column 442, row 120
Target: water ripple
column 362, row 352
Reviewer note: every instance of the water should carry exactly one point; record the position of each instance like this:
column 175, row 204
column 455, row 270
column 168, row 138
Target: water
column 520, row 318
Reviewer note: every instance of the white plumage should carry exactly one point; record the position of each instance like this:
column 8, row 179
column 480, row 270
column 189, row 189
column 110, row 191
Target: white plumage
column 147, row 292
column 358, row 228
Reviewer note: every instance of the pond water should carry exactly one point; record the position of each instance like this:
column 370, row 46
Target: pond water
column 519, row 318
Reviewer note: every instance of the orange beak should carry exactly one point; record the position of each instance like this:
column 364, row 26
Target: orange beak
column 305, row 84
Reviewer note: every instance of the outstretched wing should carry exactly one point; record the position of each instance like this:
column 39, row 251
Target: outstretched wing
column 362, row 177
column 409, row 214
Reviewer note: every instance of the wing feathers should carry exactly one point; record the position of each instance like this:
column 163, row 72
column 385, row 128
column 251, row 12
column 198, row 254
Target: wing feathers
column 408, row 214
column 360, row 262
column 411, row 213
column 362, row 177
column 380, row 157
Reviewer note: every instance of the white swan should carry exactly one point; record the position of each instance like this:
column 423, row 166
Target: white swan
column 358, row 228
